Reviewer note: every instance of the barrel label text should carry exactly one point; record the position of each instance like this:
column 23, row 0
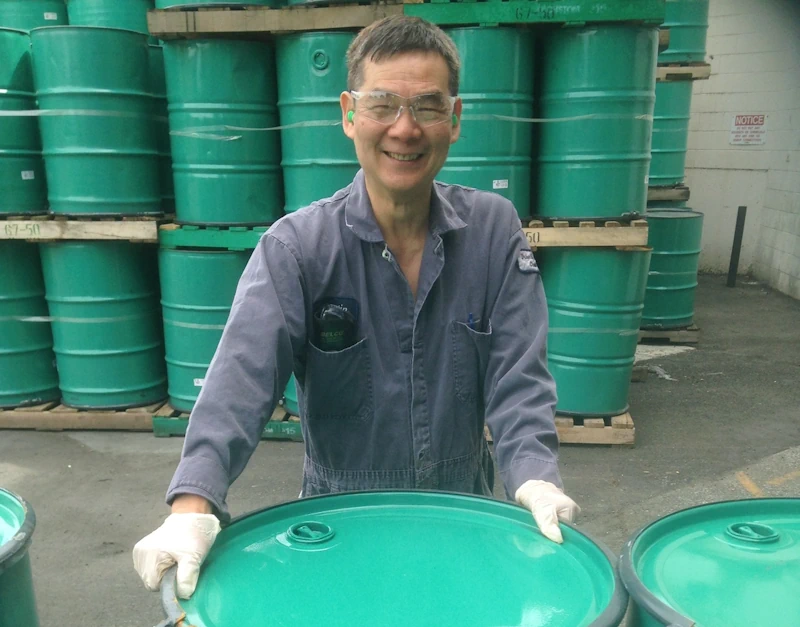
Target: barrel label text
column 51, row 16
column 28, row 175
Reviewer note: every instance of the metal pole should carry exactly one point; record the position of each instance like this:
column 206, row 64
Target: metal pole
column 737, row 246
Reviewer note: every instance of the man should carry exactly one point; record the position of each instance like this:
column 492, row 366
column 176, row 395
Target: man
column 410, row 312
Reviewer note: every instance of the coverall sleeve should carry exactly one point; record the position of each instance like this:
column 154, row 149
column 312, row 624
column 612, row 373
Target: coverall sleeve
column 519, row 392
column 247, row 376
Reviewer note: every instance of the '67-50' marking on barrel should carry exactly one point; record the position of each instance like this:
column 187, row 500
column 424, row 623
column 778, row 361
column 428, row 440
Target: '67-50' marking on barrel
column 533, row 237
column 15, row 230
column 544, row 13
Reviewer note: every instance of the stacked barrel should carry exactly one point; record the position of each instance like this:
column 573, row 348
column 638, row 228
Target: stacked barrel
column 675, row 230
column 596, row 99
column 96, row 148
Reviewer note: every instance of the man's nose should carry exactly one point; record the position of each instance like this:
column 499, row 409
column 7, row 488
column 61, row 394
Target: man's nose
column 405, row 124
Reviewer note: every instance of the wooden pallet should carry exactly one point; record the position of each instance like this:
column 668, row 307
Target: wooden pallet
column 586, row 233
column 687, row 72
column 689, row 335
column 50, row 227
column 56, row 417
column 259, row 21
column 676, row 193
column 614, row 430
column 282, row 425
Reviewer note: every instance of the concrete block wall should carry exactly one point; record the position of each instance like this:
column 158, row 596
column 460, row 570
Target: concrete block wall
column 754, row 51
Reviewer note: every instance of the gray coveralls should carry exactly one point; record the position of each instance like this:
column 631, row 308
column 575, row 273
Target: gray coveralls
column 403, row 407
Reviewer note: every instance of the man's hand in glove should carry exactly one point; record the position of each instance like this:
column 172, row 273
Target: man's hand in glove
column 184, row 539
column 548, row 505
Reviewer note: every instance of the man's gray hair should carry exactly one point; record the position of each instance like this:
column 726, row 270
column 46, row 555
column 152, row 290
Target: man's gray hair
column 395, row 35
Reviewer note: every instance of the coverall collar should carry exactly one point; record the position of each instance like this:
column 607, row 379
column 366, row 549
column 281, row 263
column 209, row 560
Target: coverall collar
column 361, row 220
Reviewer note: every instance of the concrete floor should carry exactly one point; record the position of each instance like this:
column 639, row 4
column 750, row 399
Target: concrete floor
column 734, row 407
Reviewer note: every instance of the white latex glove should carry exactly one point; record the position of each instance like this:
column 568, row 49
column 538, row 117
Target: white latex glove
column 184, row 539
column 548, row 505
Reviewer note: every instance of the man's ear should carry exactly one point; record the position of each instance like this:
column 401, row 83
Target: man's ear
column 348, row 106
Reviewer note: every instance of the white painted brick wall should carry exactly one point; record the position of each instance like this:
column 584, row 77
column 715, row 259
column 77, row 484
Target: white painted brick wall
column 754, row 51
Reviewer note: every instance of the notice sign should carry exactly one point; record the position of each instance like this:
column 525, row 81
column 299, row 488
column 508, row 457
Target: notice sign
column 748, row 130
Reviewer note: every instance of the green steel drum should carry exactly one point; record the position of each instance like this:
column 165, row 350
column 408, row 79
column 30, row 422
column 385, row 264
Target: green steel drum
column 103, row 298
column 100, row 159
column 318, row 159
column 496, row 80
column 22, row 178
column 27, row 364
column 127, row 14
column 670, row 133
column 687, row 21
column 675, row 237
column 30, row 14
column 197, row 290
column 220, row 93
column 158, row 89
column 400, row 558
column 290, row 403
column 598, row 90
column 17, row 600
column 733, row 563
column 595, row 299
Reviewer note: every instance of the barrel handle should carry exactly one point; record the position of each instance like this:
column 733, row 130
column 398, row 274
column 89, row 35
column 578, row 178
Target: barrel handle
column 169, row 600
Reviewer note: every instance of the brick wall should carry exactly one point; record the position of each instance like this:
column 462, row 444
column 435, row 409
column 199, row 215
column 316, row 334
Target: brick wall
column 754, row 51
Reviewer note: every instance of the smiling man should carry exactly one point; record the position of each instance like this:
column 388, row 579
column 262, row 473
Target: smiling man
column 411, row 312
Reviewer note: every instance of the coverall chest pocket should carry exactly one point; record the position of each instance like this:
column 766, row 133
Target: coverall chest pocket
column 338, row 384
column 470, row 359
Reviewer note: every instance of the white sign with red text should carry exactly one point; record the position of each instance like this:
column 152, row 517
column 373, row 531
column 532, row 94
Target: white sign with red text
column 748, row 129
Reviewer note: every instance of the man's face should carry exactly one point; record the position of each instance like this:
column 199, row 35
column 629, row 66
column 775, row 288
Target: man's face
column 383, row 150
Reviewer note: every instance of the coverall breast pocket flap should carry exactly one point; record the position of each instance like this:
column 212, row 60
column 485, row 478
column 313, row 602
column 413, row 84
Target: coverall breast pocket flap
column 470, row 359
column 339, row 383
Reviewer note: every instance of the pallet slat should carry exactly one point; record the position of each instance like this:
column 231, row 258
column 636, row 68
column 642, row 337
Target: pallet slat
column 561, row 233
column 54, row 417
column 698, row 72
column 690, row 335
column 145, row 231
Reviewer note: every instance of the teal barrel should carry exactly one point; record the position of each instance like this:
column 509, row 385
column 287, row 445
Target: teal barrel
column 29, row 14
column 158, row 89
column 27, row 362
column 126, row 14
column 318, row 159
column 732, row 563
column 169, row 4
column 687, row 21
column 17, row 598
column 22, row 178
column 103, row 298
column 598, row 90
column 675, row 237
column 496, row 80
column 595, row 299
column 220, row 92
column 367, row 554
column 290, row 403
column 101, row 159
column 197, row 290
column 670, row 133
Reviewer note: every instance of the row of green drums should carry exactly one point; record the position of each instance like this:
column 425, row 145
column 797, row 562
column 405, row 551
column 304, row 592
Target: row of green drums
column 730, row 563
column 85, row 324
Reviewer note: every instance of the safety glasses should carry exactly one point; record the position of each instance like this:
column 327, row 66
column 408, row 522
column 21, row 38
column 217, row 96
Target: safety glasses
column 386, row 108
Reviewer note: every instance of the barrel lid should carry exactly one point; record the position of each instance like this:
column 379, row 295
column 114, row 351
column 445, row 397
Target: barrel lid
column 16, row 526
column 390, row 558
column 733, row 563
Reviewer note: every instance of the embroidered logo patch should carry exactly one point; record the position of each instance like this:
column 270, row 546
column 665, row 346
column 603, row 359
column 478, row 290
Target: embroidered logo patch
column 525, row 262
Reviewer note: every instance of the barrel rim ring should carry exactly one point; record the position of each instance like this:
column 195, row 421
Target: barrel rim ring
column 611, row 616
column 15, row 549
column 639, row 592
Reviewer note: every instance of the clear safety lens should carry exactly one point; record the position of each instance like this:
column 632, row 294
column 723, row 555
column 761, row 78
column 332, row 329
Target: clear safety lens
column 385, row 107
